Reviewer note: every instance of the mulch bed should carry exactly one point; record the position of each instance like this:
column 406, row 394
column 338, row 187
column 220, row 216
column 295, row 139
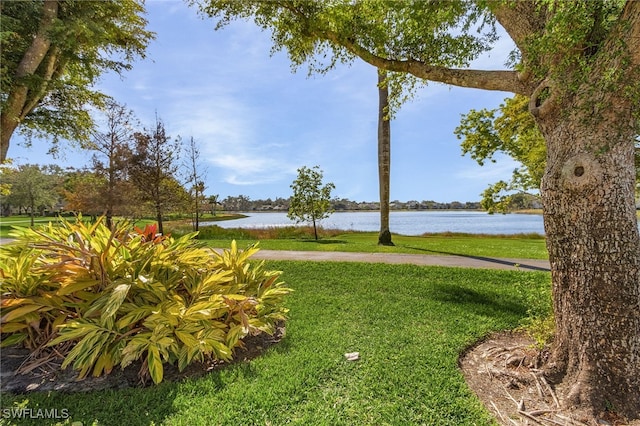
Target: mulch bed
column 50, row 377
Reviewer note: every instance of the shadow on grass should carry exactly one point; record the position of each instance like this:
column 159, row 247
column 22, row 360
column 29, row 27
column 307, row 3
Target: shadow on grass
column 311, row 240
column 477, row 302
column 483, row 258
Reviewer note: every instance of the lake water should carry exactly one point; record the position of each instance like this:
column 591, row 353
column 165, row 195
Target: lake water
column 406, row 222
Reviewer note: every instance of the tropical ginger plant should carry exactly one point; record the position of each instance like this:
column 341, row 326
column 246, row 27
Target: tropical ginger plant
column 119, row 296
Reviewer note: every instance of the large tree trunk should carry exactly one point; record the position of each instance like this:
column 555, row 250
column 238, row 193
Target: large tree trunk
column 384, row 158
column 592, row 237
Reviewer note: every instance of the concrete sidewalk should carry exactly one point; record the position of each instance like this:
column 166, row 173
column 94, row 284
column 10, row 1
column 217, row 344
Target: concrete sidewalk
column 401, row 258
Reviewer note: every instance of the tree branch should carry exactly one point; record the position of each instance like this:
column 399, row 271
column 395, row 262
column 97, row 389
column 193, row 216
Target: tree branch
column 36, row 95
column 41, row 42
column 520, row 19
column 502, row 80
column 12, row 113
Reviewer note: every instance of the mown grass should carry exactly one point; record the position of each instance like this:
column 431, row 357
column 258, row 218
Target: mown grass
column 7, row 223
column 523, row 246
column 409, row 324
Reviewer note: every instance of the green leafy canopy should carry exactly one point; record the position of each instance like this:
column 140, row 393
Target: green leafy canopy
column 311, row 199
column 510, row 130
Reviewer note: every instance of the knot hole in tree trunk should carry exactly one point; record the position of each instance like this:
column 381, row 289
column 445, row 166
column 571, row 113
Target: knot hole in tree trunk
column 542, row 100
column 582, row 172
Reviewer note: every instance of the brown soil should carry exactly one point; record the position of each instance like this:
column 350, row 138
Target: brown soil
column 504, row 372
column 49, row 376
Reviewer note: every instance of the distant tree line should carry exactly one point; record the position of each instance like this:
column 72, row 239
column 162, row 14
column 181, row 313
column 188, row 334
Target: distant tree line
column 50, row 190
column 244, row 203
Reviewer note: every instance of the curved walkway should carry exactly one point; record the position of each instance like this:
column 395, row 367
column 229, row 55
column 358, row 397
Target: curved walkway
column 401, row 258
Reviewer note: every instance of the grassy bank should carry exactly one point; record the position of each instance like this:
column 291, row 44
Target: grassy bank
column 523, row 248
column 409, row 324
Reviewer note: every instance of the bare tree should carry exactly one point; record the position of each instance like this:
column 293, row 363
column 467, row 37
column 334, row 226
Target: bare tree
column 113, row 144
column 195, row 181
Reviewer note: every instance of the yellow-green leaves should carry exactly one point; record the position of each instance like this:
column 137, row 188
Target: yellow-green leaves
column 121, row 298
column 155, row 364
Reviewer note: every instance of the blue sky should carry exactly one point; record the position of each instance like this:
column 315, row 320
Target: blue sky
column 257, row 122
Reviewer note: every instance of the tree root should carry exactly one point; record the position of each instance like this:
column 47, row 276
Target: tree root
column 508, row 379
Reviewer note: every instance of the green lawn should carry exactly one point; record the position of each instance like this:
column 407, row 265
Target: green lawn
column 522, row 247
column 409, row 324
column 6, row 223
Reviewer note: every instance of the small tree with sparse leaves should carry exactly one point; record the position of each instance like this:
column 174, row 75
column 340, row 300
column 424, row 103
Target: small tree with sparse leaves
column 311, row 201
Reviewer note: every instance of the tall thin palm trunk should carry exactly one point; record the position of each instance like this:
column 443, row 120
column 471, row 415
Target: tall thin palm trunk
column 384, row 157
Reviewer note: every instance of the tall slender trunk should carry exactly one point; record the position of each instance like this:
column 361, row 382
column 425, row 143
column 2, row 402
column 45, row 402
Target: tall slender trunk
column 159, row 219
column 315, row 230
column 32, row 213
column 384, row 158
column 109, row 218
column 594, row 250
column 110, row 196
column 196, row 206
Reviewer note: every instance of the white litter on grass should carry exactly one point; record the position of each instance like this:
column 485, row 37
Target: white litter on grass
column 352, row 356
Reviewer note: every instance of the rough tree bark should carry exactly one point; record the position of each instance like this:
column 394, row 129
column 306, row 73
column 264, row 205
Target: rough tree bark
column 593, row 242
column 591, row 226
column 592, row 233
column 384, row 158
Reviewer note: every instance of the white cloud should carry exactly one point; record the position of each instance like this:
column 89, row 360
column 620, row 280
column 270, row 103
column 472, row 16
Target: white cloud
column 501, row 169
